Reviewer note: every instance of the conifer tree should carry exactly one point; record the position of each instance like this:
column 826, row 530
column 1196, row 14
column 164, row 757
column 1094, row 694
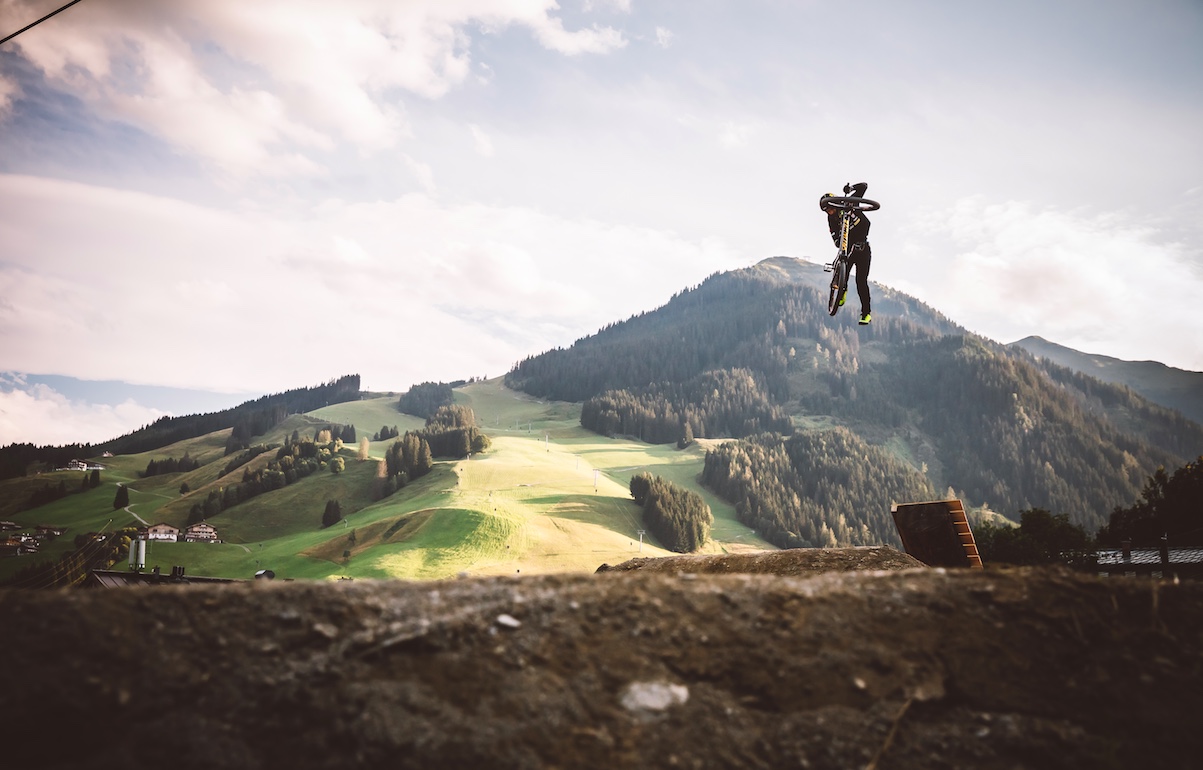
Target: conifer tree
column 333, row 514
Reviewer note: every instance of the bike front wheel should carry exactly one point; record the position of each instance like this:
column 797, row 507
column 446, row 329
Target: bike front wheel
column 851, row 204
column 839, row 285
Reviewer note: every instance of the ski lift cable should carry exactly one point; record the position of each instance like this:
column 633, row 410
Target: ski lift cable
column 39, row 21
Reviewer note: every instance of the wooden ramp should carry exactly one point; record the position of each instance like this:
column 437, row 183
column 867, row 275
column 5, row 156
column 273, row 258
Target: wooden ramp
column 937, row 533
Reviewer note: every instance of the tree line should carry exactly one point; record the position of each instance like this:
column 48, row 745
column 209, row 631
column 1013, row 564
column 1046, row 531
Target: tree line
column 679, row 518
column 821, row 489
column 48, row 493
column 1169, row 505
column 407, row 459
column 171, row 465
column 450, row 432
column 246, row 456
column 726, row 402
column 424, row 399
column 295, row 459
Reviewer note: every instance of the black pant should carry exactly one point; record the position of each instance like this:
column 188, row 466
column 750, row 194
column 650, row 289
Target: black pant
column 860, row 259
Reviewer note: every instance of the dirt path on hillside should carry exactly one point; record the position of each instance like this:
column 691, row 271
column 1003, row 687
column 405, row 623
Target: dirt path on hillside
column 915, row 668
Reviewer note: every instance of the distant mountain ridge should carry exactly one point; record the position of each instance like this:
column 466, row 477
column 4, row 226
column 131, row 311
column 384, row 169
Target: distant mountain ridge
column 994, row 424
column 1175, row 388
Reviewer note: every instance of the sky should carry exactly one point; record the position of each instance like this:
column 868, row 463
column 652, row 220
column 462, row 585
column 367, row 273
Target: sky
column 216, row 195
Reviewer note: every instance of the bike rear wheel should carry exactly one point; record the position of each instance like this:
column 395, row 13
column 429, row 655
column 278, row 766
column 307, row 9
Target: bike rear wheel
column 839, row 285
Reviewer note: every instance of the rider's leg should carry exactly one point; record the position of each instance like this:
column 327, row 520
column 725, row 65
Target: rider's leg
column 862, row 259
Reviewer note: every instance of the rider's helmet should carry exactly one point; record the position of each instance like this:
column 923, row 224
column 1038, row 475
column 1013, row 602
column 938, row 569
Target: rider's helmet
column 823, row 200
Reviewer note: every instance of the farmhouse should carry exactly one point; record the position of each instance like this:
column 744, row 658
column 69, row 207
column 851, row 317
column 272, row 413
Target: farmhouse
column 162, row 531
column 201, row 532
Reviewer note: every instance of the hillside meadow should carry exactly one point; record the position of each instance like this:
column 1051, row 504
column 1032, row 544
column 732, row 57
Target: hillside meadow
column 547, row 497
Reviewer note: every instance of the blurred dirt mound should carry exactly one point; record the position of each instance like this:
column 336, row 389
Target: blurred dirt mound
column 887, row 669
column 796, row 561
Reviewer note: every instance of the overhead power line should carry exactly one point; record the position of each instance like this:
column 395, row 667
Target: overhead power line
column 39, row 21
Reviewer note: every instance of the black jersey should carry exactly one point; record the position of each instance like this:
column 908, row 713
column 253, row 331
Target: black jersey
column 858, row 233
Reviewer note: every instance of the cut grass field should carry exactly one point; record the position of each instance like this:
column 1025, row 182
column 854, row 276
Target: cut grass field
column 547, row 497
column 369, row 416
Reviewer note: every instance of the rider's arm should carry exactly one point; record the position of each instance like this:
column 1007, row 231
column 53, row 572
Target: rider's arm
column 856, row 190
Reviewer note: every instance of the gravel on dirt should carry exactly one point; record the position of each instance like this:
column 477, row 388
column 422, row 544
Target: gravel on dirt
column 878, row 668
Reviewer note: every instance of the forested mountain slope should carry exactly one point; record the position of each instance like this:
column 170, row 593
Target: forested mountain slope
column 1174, row 388
column 994, row 424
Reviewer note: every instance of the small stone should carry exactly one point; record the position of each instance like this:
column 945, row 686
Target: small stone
column 325, row 629
column 509, row 621
column 653, row 696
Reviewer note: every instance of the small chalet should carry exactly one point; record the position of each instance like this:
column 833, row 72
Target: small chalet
column 162, row 531
column 201, row 532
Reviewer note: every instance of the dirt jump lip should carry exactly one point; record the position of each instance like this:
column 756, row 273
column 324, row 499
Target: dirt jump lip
column 912, row 668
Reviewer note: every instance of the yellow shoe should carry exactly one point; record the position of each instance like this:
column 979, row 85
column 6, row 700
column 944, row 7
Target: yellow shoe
column 843, row 297
column 865, row 318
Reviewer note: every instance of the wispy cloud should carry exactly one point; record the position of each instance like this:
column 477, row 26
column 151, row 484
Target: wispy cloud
column 346, row 277
column 267, row 87
column 481, row 140
column 37, row 414
column 1091, row 281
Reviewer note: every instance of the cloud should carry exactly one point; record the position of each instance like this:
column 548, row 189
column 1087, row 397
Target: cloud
column 8, row 91
column 39, row 415
column 732, row 134
column 664, row 37
column 550, row 32
column 481, row 140
column 400, row 291
column 622, row 6
column 1093, row 281
column 268, row 87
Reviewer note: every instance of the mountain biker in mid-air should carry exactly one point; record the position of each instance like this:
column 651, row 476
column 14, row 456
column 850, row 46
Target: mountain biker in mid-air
column 861, row 255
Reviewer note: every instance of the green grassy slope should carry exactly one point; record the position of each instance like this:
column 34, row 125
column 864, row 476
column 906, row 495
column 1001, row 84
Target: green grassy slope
column 548, row 496
column 369, row 415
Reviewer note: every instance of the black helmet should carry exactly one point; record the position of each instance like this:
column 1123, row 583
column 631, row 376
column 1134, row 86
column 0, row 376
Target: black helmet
column 823, row 200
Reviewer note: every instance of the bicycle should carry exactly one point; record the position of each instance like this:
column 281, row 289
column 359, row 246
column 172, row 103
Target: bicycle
column 841, row 266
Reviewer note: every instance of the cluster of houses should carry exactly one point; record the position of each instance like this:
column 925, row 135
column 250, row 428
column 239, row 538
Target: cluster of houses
column 17, row 540
column 201, row 532
column 18, row 543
